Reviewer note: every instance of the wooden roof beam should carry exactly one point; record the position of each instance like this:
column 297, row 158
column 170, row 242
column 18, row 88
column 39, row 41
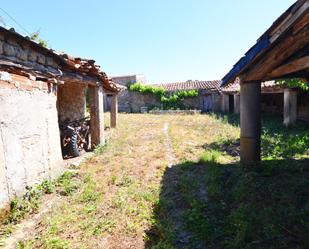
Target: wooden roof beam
column 297, row 65
column 277, row 55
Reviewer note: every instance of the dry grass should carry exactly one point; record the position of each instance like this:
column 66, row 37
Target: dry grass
column 114, row 207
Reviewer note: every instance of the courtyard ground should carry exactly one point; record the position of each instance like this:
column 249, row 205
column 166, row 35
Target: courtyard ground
column 175, row 182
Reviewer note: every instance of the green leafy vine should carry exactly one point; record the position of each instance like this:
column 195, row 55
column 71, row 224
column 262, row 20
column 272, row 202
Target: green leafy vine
column 295, row 82
column 169, row 100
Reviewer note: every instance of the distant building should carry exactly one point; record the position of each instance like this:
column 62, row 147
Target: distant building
column 208, row 98
column 125, row 79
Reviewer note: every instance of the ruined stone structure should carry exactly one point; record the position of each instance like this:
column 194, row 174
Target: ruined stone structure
column 38, row 86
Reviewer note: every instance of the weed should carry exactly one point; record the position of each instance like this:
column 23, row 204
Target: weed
column 47, row 187
column 100, row 149
column 89, row 193
column 67, row 183
column 56, row 243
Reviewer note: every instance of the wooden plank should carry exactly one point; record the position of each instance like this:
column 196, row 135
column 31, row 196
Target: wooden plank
column 291, row 67
column 290, row 19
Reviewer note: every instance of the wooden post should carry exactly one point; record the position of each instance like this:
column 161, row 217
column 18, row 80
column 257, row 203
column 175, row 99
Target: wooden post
column 96, row 115
column 114, row 111
column 250, row 122
column 290, row 107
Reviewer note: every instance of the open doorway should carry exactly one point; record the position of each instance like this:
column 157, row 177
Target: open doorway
column 231, row 103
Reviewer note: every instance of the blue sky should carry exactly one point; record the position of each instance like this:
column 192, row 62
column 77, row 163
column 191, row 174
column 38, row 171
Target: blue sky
column 167, row 40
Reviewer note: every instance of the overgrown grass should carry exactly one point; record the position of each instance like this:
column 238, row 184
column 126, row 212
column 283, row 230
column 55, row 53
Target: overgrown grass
column 129, row 198
column 264, row 207
column 30, row 202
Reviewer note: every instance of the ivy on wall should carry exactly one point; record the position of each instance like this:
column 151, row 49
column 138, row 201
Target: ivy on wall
column 296, row 82
column 169, row 100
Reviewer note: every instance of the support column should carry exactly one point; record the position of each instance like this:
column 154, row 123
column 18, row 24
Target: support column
column 236, row 103
column 114, row 111
column 250, row 122
column 96, row 115
column 225, row 103
column 290, row 107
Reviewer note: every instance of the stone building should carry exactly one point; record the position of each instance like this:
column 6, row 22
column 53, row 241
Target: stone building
column 123, row 95
column 39, row 88
column 208, row 99
column 275, row 99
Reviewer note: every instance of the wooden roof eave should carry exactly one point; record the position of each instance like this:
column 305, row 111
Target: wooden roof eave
column 276, row 62
column 267, row 42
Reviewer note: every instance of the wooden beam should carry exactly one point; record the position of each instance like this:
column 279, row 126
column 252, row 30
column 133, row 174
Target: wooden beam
column 276, row 56
column 291, row 67
column 289, row 20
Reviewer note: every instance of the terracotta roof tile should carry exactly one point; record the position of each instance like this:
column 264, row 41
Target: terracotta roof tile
column 235, row 87
column 191, row 85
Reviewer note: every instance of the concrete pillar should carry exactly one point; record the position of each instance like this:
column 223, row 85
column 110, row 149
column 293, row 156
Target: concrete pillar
column 236, row 103
column 290, row 107
column 225, row 103
column 96, row 115
column 250, row 122
column 114, row 111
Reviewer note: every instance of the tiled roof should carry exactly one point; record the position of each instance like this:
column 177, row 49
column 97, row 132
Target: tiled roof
column 73, row 64
column 235, row 87
column 191, row 85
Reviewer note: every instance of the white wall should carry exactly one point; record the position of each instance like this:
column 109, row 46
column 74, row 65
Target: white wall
column 29, row 141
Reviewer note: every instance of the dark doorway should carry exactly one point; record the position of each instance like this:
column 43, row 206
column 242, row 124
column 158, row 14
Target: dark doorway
column 207, row 103
column 231, row 103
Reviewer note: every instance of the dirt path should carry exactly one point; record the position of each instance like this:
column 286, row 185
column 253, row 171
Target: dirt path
column 168, row 146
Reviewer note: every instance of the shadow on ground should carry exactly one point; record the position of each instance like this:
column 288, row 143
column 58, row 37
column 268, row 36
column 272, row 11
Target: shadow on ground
column 266, row 207
column 277, row 140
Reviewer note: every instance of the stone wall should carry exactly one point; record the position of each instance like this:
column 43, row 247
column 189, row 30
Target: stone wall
column 272, row 103
column 124, row 80
column 17, row 50
column 133, row 101
column 29, row 139
column 195, row 103
column 303, row 106
column 71, row 102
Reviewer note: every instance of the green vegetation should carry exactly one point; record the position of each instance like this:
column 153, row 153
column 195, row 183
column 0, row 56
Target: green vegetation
column 128, row 195
column 300, row 83
column 266, row 207
column 30, row 202
column 169, row 101
column 35, row 36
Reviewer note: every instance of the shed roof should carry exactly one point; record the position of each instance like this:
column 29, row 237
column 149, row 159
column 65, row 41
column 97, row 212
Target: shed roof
column 286, row 37
column 69, row 64
column 191, row 85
